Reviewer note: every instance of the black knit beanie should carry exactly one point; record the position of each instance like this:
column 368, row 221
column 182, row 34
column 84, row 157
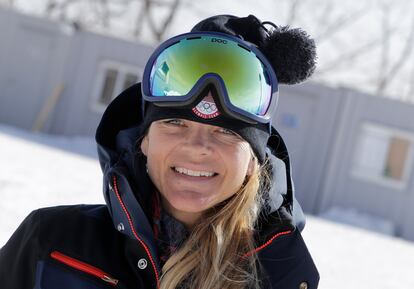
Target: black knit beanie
column 291, row 53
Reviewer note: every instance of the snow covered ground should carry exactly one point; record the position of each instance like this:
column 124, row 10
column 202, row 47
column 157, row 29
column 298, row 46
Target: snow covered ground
column 41, row 170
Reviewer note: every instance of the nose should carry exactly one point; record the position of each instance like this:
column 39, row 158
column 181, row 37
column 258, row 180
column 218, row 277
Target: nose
column 198, row 140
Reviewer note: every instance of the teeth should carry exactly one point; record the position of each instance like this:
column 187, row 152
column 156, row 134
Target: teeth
column 194, row 173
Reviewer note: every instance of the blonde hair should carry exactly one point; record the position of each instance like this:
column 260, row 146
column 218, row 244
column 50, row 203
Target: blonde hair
column 214, row 256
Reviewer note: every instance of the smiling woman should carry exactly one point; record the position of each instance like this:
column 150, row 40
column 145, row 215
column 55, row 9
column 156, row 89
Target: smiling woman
column 196, row 179
column 195, row 166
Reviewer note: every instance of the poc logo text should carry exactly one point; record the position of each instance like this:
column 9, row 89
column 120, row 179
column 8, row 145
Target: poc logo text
column 219, row 40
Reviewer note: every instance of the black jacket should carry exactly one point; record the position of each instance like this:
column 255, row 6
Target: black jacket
column 113, row 246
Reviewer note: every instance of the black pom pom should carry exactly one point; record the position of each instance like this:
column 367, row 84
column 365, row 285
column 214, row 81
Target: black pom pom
column 292, row 54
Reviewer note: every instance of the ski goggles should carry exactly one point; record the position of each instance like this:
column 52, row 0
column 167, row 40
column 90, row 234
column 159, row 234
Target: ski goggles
column 182, row 66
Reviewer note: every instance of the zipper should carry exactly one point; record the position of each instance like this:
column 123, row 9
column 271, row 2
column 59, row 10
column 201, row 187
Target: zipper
column 115, row 189
column 84, row 267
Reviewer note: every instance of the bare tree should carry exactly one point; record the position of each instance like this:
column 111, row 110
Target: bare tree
column 101, row 12
column 331, row 21
column 159, row 27
column 348, row 58
column 293, row 10
column 391, row 65
column 59, row 9
column 331, row 28
column 388, row 52
column 104, row 13
column 328, row 27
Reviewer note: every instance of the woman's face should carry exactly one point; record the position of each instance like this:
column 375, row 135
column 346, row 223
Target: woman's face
column 195, row 166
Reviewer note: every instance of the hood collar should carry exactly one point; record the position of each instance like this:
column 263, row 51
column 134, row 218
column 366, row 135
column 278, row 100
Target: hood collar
column 117, row 136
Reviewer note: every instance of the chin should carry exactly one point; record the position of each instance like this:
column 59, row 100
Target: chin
column 189, row 202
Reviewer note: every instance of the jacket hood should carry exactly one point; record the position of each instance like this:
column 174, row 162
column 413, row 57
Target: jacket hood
column 129, row 201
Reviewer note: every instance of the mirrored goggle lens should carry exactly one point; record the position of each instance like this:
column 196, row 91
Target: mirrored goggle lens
column 178, row 67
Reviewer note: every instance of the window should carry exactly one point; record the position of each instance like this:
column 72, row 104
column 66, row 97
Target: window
column 383, row 155
column 108, row 86
column 113, row 78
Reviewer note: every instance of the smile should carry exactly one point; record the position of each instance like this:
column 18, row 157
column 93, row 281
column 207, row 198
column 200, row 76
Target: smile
column 192, row 173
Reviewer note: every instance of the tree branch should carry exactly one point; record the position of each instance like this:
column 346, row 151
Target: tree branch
column 341, row 23
column 139, row 21
column 293, row 9
column 350, row 56
column 159, row 32
column 405, row 54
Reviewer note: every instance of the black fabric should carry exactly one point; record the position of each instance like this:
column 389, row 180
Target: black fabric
column 85, row 233
column 82, row 232
column 171, row 237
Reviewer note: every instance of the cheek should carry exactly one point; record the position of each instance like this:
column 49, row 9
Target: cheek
column 156, row 154
column 238, row 164
column 154, row 149
column 159, row 150
column 244, row 157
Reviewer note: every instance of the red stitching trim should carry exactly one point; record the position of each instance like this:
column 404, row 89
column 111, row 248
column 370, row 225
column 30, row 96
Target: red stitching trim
column 266, row 244
column 134, row 232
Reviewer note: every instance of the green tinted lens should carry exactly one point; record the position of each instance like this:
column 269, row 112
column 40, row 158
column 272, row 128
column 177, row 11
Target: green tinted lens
column 178, row 68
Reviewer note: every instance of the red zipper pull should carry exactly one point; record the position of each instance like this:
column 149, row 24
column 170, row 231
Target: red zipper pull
column 84, row 267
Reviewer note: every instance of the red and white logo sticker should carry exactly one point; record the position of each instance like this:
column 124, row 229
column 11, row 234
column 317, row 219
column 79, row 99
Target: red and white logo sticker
column 207, row 108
